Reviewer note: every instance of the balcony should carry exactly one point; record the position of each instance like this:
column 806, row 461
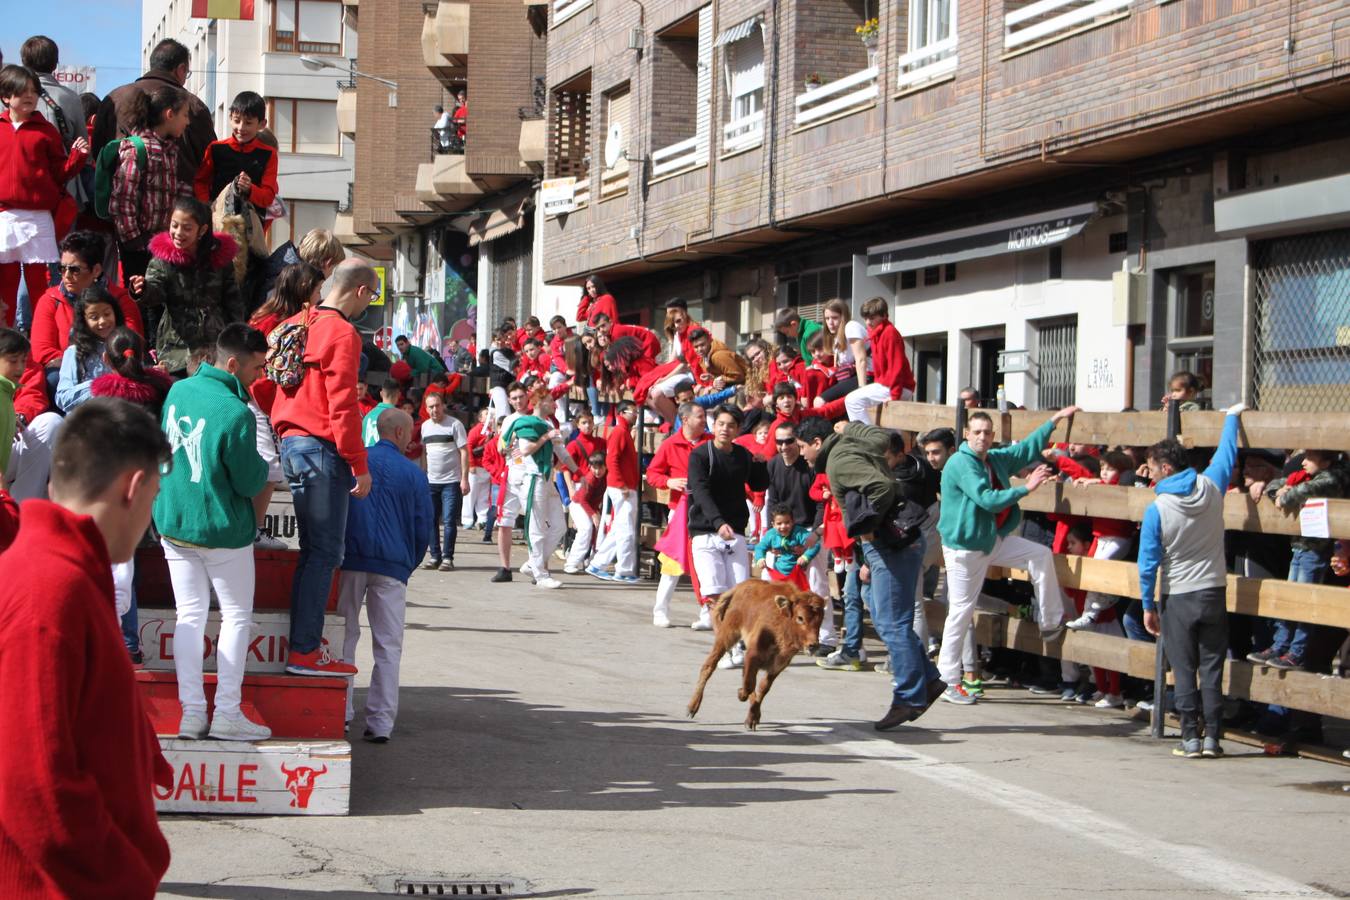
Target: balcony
column 566, row 9
column 926, row 64
column 346, row 111
column 744, row 133
column 445, row 40
column 1050, row 20
column 838, row 98
column 445, row 184
column 678, row 158
column 534, row 142
column 344, row 229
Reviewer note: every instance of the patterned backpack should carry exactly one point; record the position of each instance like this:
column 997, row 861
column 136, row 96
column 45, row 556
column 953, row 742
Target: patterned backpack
column 286, row 352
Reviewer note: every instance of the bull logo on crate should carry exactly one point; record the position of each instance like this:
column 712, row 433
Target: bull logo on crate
column 300, row 782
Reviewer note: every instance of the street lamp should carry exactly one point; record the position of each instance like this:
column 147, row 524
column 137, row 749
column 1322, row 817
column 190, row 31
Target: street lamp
column 314, row 64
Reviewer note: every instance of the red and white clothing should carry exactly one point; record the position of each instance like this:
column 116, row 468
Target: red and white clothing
column 623, row 482
column 480, row 480
column 892, row 377
column 588, row 308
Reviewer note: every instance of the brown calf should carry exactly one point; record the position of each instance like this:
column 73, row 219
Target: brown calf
column 776, row 620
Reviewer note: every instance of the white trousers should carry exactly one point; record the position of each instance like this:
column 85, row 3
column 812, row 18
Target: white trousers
column 30, row 460
column 501, row 406
column 617, row 546
column 194, row 573
column 965, row 575
column 386, row 601
column 720, row 565
column 818, row 578
column 859, row 401
column 479, row 499
column 124, row 576
column 1108, row 547
column 548, row 524
column 585, row 537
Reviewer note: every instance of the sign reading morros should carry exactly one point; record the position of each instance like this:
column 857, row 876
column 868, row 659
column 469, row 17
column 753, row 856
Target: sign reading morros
column 557, row 196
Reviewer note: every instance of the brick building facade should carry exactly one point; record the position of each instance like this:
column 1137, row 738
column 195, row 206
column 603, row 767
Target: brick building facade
column 771, row 156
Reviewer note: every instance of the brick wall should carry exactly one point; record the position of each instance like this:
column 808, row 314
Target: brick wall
column 824, row 40
column 505, row 55
column 674, row 69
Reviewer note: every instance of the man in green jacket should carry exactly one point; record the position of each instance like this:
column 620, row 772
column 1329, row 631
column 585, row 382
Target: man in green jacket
column 205, row 517
column 792, row 328
column 420, row 361
column 979, row 516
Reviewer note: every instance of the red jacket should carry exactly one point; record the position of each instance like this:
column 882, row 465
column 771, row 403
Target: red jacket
column 587, row 308
column 324, row 404
column 621, row 459
column 557, row 354
column 477, row 445
column 231, row 158
column 9, row 520
column 589, row 494
column 34, row 165
column 1100, row 527
column 646, row 338
column 53, row 315
column 538, row 367
column 815, row 381
column 77, row 812
column 30, row 400
column 672, row 461
column 832, row 410
column 890, row 365
column 581, row 447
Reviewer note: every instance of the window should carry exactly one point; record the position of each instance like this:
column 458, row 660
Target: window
column 302, row 217
column 614, row 180
column 570, row 134
column 682, row 70
column 909, row 280
column 1055, row 264
column 307, row 26
column 743, row 49
column 931, row 275
column 1190, row 343
column 1118, row 242
column 305, row 126
column 950, row 272
column 930, row 39
column 1056, row 363
column 810, row 291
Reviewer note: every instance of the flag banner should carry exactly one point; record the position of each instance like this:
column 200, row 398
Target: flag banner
column 222, row 9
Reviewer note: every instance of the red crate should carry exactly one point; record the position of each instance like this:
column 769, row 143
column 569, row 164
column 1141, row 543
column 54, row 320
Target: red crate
column 274, row 569
column 296, row 707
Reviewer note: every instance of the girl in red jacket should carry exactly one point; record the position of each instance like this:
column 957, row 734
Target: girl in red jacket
column 34, row 169
column 1112, row 538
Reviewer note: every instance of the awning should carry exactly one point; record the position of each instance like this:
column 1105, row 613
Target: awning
column 737, row 32
column 506, row 217
column 992, row 239
column 1307, row 206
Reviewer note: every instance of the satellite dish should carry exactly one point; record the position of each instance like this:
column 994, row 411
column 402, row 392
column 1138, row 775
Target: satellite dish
column 614, row 148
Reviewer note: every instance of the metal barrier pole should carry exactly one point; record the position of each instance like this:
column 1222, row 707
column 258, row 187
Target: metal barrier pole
column 1160, row 651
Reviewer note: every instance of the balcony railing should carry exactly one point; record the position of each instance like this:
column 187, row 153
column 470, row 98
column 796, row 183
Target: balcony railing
column 565, row 9
column 743, row 133
column 448, row 139
column 846, row 95
column 917, row 67
column 678, row 158
column 1049, row 18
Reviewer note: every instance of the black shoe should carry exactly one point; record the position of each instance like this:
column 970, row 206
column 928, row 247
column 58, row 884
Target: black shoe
column 935, row 689
column 137, row 658
column 374, row 738
column 502, row 575
column 896, row 716
column 823, row 650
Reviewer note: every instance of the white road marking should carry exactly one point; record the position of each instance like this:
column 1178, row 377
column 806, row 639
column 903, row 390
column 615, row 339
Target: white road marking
column 1201, row 865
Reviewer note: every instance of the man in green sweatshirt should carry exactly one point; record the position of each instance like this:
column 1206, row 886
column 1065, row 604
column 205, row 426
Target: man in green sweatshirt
column 205, row 517
column 978, row 518
column 420, row 361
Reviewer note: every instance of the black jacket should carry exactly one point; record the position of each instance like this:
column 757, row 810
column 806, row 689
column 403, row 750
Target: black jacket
column 717, row 483
column 792, row 485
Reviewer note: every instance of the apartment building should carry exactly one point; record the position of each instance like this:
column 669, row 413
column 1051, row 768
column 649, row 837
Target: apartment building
column 1070, row 198
column 264, row 55
column 449, row 211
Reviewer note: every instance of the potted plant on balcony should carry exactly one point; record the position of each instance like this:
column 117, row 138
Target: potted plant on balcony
column 870, row 32
column 813, row 81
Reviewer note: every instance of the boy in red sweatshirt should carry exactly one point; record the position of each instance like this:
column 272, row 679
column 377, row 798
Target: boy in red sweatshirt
column 77, row 813
column 241, row 158
column 322, row 452
column 888, row 365
column 1111, row 538
column 621, row 494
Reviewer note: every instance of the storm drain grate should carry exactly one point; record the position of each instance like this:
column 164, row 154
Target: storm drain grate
column 456, row 887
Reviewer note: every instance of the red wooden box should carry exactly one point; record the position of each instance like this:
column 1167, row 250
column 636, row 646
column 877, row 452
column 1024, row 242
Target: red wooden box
column 275, row 570
column 296, row 707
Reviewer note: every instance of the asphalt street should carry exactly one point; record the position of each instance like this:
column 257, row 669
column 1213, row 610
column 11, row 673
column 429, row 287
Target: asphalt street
column 542, row 738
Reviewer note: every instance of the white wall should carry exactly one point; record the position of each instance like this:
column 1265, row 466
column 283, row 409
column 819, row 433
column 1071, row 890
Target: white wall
column 1012, row 291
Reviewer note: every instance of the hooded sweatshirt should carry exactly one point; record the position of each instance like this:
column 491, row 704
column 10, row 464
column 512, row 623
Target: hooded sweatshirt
column 972, row 505
column 1333, row 481
column 1182, row 530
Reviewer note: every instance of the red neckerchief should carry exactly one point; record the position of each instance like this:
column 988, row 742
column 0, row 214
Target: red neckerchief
column 999, row 517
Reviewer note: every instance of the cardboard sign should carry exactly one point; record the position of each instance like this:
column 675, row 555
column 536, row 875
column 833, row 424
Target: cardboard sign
column 1313, row 521
column 267, row 648
column 274, row 778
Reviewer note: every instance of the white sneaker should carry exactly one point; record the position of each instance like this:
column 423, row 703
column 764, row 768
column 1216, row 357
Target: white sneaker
column 733, row 658
column 704, row 620
column 238, row 728
column 572, row 570
column 661, row 620
column 1111, row 701
column 548, row 582
column 1086, row 620
column 527, row 569
column 193, row 726
column 264, row 541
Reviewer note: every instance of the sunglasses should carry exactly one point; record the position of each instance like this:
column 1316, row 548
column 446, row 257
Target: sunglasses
column 71, row 270
column 783, row 442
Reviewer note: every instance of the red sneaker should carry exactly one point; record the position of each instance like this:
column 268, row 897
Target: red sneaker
column 317, row 662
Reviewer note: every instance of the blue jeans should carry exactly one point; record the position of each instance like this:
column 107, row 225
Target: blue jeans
column 446, row 500
column 856, row 593
column 321, row 482
column 131, row 626
column 1306, row 567
column 895, row 575
column 1133, row 620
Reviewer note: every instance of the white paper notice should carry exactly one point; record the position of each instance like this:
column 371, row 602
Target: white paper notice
column 1312, row 519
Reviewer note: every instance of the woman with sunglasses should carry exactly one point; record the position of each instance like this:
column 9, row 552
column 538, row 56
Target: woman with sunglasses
column 54, row 312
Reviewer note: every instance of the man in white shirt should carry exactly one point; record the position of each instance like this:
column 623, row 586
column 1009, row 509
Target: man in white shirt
column 446, row 445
